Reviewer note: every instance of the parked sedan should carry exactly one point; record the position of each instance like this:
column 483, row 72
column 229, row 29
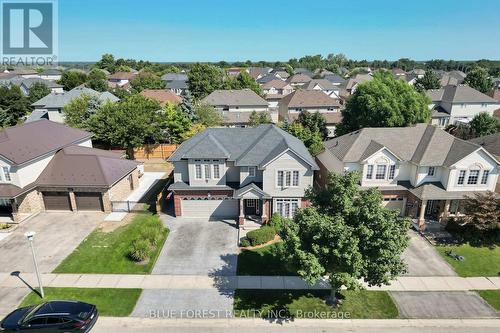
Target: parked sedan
column 54, row 316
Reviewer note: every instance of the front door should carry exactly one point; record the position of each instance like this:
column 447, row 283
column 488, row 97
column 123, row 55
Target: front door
column 252, row 207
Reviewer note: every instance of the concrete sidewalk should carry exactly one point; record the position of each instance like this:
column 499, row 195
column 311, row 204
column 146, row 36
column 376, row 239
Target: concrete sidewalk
column 404, row 283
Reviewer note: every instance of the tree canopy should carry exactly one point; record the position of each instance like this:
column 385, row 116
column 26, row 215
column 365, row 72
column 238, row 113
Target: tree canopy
column 72, row 78
column 429, row 81
column 13, row 105
column 37, row 91
column 97, row 80
column 384, row 102
column 243, row 80
column 483, row 124
column 479, row 79
column 259, row 118
column 207, row 115
column 346, row 235
column 311, row 139
column 147, row 81
column 204, row 79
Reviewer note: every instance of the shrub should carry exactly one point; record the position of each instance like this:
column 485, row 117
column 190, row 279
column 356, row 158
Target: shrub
column 152, row 233
column 4, row 226
column 277, row 222
column 245, row 243
column 140, row 250
column 261, row 236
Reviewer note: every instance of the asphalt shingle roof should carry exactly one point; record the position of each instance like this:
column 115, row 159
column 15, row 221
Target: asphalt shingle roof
column 246, row 146
column 243, row 97
column 59, row 100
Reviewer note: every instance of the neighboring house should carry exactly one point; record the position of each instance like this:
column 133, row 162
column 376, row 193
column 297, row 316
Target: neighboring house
column 298, row 79
column 335, row 79
column 353, row 82
column 25, row 73
column 417, row 73
column 46, row 166
column 492, row 144
column 121, row 79
column 277, row 87
column 51, row 106
column 304, row 71
column 458, row 104
column 323, row 85
column 241, row 173
column 398, row 72
column 26, row 85
column 281, row 74
column 237, row 105
column 234, row 71
column 170, row 77
column 312, row 101
column 422, row 171
column 51, row 74
column 178, row 87
column 258, row 72
column 268, row 78
column 451, row 78
column 162, row 96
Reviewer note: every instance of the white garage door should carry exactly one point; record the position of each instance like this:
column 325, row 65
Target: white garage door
column 394, row 204
column 210, row 208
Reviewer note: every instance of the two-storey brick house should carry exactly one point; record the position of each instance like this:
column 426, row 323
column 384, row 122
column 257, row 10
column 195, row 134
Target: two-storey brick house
column 422, row 171
column 241, row 172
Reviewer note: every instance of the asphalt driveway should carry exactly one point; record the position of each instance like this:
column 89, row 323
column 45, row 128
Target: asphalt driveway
column 446, row 304
column 57, row 235
column 198, row 247
column 423, row 259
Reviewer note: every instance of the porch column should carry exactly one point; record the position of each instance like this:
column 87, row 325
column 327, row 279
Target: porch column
column 265, row 211
column 241, row 218
column 421, row 216
column 446, row 211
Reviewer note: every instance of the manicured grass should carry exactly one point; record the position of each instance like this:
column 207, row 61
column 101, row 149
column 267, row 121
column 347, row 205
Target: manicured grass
column 492, row 297
column 263, row 261
column 107, row 252
column 479, row 261
column 310, row 304
column 109, row 302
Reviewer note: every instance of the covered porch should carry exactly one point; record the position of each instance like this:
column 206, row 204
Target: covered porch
column 254, row 204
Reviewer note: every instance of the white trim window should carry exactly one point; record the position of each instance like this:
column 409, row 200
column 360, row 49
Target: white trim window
column 381, row 171
column 207, row 171
column 392, row 171
column 295, row 178
column 484, row 178
column 473, row 177
column 216, row 171
column 461, row 177
column 197, row 171
column 279, row 178
column 6, row 174
column 287, row 178
column 369, row 171
column 252, row 171
column 431, row 171
column 287, row 207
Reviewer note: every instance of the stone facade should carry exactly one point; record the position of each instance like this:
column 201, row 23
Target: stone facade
column 121, row 190
column 27, row 204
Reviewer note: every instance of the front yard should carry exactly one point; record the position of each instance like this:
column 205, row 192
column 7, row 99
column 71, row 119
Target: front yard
column 109, row 302
column 310, row 304
column 479, row 261
column 263, row 261
column 108, row 252
column 492, row 297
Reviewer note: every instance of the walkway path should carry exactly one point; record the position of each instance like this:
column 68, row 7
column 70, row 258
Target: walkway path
column 404, row 283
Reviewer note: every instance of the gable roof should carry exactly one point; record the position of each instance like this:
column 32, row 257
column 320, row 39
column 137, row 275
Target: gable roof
column 323, row 83
column 122, row 76
column 25, row 142
column 334, row 78
column 299, row 78
column 162, row 96
column 242, row 97
column 308, row 98
column 245, row 146
column 84, row 166
column 51, row 71
column 174, row 77
column 489, row 142
column 422, row 144
column 275, row 83
column 31, row 81
column 177, row 84
column 459, row 94
column 59, row 100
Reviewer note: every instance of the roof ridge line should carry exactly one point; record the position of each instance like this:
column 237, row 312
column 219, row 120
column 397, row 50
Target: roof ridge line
column 256, row 140
column 220, row 145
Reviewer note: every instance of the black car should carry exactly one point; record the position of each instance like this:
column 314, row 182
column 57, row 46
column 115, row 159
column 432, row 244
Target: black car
column 54, row 316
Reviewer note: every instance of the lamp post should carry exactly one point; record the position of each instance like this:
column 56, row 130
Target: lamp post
column 30, row 235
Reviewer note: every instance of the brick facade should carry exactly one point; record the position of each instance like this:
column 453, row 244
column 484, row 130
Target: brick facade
column 121, row 190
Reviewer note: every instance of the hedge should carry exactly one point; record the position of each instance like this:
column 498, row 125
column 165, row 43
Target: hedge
column 261, row 236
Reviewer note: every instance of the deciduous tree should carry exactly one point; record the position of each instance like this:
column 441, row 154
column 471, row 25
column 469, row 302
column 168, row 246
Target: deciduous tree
column 259, row 118
column 484, row 124
column 72, row 78
column 429, row 81
column 37, row 91
column 208, row 116
column 204, row 79
column 479, row 79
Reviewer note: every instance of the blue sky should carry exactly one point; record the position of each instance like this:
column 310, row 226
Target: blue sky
column 213, row 30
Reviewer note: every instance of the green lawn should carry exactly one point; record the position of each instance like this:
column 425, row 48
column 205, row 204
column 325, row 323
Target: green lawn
column 263, row 261
column 109, row 302
column 492, row 297
column 479, row 261
column 107, row 252
column 310, row 304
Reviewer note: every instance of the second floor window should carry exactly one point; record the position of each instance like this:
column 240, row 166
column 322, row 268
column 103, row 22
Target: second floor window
column 381, row 169
column 216, row 171
column 251, row 171
column 280, row 178
column 473, row 177
column 461, row 177
column 484, row 178
column 207, row 171
column 392, row 171
column 287, row 178
column 198, row 171
column 430, row 171
column 295, row 179
column 6, row 174
column 369, row 172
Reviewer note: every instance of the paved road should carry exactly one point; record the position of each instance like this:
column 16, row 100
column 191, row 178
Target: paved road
column 57, row 235
column 423, row 259
column 119, row 325
column 443, row 304
column 198, row 247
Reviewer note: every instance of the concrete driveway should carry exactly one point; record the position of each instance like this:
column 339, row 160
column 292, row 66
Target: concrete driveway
column 423, row 259
column 198, row 247
column 445, row 304
column 57, row 235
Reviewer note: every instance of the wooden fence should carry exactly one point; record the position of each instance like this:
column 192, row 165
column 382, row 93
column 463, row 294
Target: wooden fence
column 154, row 151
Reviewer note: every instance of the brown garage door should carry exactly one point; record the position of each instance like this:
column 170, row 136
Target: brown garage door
column 89, row 201
column 56, row 200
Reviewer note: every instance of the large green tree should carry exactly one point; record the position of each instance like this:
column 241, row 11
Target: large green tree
column 384, row 102
column 484, row 124
column 37, row 91
column 79, row 110
column 207, row 115
column 429, row 81
column 311, row 139
column 479, row 79
column 347, row 236
column 204, row 79
column 315, row 122
column 107, row 62
column 147, row 81
column 97, row 80
column 72, row 78
column 187, row 105
column 259, row 118
column 13, row 105
column 243, row 81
